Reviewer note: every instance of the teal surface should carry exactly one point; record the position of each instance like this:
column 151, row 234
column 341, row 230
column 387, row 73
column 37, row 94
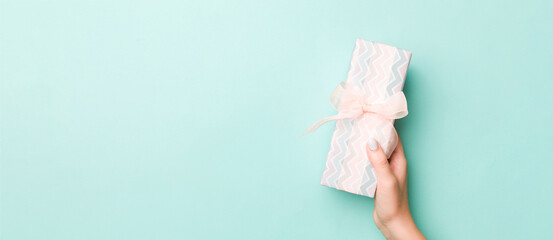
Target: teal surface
column 181, row 119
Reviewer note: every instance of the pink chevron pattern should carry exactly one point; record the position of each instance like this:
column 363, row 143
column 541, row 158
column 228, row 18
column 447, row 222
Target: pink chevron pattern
column 380, row 70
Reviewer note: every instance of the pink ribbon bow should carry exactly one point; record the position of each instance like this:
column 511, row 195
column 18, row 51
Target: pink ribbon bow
column 350, row 102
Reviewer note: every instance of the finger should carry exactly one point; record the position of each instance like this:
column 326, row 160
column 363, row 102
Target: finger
column 380, row 163
column 398, row 152
column 398, row 161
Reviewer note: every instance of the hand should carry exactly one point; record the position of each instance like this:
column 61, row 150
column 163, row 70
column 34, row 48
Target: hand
column 391, row 207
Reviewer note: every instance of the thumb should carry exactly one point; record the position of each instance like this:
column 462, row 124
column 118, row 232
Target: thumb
column 380, row 163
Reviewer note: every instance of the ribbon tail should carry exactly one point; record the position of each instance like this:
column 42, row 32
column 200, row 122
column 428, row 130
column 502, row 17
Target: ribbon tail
column 400, row 105
column 319, row 123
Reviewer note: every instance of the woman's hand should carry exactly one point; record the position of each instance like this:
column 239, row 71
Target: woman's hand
column 391, row 207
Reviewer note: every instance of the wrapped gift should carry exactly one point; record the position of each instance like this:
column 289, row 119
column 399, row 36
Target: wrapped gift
column 367, row 103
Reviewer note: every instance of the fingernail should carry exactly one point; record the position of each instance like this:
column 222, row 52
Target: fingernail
column 372, row 144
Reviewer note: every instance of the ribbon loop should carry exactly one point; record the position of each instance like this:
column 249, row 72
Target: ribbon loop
column 349, row 101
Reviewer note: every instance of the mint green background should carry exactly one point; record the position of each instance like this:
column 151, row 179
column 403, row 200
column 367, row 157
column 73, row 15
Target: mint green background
column 181, row 120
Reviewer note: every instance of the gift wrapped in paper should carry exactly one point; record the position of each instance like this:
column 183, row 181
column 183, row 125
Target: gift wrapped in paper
column 368, row 102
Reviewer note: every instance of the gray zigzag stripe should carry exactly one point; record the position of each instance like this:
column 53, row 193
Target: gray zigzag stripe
column 352, row 64
column 363, row 62
column 351, row 154
column 344, row 139
column 368, row 180
column 338, row 131
column 337, row 161
column 373, row 70
column 396, row 77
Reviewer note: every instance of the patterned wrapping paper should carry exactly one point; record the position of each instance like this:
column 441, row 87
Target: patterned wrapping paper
column 379, row 70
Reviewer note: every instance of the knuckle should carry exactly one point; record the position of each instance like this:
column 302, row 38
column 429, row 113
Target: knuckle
column 380, row 162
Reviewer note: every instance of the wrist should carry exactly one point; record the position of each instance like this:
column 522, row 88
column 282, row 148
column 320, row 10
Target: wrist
column 402, row 228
